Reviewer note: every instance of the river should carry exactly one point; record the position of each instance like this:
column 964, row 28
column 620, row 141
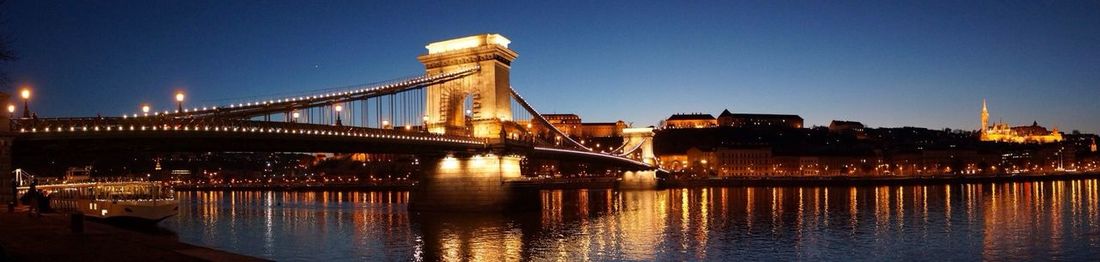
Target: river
column 981, row 221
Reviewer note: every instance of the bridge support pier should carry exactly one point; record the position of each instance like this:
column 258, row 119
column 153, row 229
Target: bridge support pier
column 477, row 183
column 639, row 180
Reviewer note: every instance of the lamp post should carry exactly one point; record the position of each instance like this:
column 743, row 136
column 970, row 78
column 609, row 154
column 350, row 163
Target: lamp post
column 294, row 116
column 145, row 109
column 26, row 94
column 179, row 102
column 11, row 111
column 338, row 109
column 425, row 123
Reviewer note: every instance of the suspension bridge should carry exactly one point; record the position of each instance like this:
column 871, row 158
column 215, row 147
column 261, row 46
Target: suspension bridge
column 461, row 118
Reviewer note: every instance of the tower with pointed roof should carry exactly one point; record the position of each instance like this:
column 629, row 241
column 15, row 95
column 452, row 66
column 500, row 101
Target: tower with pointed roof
column 985, row 120
column 985, row 115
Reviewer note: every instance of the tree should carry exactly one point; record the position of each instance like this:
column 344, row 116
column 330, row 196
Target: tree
column 6, row 54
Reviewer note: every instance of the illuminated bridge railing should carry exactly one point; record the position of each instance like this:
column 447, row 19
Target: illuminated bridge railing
column 96, row 126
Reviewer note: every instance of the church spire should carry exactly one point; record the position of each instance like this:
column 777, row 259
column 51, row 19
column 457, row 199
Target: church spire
column 985, row 117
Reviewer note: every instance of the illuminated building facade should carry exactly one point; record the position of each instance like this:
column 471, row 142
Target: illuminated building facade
column 568, row 123
column 759, row 120
column 571, row 125
column 697, row 120
column 606, row 129
column 1001, row 132
column 745, row 162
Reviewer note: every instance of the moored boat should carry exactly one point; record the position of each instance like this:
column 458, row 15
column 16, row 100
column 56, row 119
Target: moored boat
column 139, row 200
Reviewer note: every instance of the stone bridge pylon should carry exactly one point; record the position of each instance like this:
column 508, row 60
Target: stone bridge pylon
column 477, row 104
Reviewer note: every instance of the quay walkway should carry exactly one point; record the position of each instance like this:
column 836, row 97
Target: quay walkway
column 49, row 238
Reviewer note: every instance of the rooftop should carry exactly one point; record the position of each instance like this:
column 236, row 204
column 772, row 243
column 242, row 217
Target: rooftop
column 844, row 122
column 693, row 116
column 762, row 116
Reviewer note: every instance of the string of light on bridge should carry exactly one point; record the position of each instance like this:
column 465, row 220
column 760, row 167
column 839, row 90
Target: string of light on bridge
column 317, row 131
column 391, row 87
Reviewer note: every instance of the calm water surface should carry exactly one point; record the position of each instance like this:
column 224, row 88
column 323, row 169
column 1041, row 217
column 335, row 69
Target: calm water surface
column 1000, row 221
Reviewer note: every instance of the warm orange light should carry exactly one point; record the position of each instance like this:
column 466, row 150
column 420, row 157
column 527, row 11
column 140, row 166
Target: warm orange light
column 385, row 123
column 145, row 109
column 449, row 163
column 179, row 97
column 295, row 115
column 468, row 42
column 11, row 108
column 339, row 108
column 25, row 93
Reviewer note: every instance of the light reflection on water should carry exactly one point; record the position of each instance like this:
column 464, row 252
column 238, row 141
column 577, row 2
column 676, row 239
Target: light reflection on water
column 1002, row 221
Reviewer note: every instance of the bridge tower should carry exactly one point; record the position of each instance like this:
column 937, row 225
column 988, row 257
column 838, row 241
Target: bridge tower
column 642, row 139
column 486, row 92
column 475, row 105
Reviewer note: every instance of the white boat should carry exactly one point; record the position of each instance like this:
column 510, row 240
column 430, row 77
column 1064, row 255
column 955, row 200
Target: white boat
column 140, row 201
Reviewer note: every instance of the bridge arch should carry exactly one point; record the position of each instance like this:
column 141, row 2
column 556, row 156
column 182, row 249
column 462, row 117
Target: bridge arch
column 488, row 89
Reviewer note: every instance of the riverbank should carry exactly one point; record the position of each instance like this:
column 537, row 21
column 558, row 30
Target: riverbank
column 865, row 181
column 49, row 238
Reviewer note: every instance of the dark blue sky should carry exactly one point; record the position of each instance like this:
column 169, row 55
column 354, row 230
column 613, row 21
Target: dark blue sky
column 898, row 64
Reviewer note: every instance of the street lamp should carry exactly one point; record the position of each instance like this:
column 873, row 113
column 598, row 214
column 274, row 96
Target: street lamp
column 179, row 102
column 26, row 94
column 424, row 125
column 11, row 111
column 385, row 123
column 145, row 109
column 338, row 108
column 294, row 116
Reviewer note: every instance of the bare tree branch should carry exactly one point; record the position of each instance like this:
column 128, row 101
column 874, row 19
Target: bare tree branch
column 6, row 53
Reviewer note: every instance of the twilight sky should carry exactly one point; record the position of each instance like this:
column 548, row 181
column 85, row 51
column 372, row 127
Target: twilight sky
column 898, row 64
